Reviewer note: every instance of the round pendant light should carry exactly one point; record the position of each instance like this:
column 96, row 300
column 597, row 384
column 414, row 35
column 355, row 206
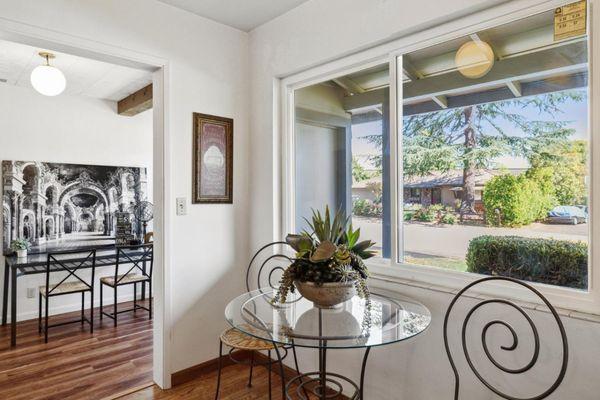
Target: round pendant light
column 46, row 79
column 474, row 59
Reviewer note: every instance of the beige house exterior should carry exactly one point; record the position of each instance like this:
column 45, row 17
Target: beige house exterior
column 435, row 188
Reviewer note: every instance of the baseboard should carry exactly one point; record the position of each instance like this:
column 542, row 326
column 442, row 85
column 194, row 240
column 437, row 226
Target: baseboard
column 196, row 371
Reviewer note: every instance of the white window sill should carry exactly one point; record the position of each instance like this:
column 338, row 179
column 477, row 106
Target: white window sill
column 392, row 276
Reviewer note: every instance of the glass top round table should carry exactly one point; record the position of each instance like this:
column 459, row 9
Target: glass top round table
column 390, row 318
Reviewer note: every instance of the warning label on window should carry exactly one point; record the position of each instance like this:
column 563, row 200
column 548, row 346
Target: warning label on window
column 570, row 20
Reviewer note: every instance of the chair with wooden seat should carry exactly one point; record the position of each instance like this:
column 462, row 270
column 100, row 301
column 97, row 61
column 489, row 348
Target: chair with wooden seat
column 481, row 312
column 54, row 265
column 259, row 275
column 140, row 258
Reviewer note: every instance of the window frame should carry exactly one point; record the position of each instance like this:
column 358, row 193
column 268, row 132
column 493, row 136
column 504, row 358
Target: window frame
column 390, row 269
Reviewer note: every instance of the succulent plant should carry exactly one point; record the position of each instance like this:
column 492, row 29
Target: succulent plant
column 329, row 250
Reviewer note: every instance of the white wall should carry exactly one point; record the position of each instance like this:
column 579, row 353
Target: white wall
column 70, row 129
column 208, row 73
column 323, row 30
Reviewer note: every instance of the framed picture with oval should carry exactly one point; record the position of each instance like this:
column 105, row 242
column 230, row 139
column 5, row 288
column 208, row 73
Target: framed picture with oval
column 213, row 159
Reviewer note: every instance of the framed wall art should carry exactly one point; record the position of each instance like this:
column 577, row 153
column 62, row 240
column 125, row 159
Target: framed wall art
column 58, row 206
column 213, row 159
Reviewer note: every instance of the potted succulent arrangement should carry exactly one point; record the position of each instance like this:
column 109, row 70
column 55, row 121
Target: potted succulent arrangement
column 20, row 246
column 328, row 267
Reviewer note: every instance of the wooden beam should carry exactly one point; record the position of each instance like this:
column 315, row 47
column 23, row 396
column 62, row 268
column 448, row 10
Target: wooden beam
column 549, row 85
column 366, row 99
column 441, row 101
column 136, row 103
column 409, row 69
column 543, row 64
column 349, row 85
column 515, row 88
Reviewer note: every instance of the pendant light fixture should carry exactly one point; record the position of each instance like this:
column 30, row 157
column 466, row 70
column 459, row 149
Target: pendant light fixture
column 474, row 59
column 46, row 79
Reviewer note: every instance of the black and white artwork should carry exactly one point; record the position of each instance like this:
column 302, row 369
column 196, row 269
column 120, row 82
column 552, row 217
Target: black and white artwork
column 63, row 206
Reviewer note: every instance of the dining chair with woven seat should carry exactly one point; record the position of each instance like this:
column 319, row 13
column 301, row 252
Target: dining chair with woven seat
column 54, row 264
column 141, row 259
column 516, row 342
column 259, row 275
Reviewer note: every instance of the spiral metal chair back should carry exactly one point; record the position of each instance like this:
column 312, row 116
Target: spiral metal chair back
column 515, row 344
column 265, row 263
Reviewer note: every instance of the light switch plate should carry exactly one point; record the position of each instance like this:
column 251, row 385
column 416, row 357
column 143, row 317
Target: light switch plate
column 31, row 293
column 181, row 205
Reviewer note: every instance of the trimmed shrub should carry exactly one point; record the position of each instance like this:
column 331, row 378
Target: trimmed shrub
column 449, row 219
column 425, row 215
column 519, row 200
column 367, row 208
column 555, row 262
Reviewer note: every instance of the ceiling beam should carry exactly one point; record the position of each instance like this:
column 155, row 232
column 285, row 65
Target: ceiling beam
column 368, row 99
column 136, row 103
column 410, row 71
column 548, row 85
column 572, row 58
column 515, row 88
column 349, row 85
column 441, row 101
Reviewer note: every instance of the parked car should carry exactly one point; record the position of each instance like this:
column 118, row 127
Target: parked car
column 567, row 215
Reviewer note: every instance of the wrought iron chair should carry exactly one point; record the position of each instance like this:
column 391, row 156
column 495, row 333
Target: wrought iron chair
column 237, row 340
column 55, row 263
column 512, row 347
column 139, row 256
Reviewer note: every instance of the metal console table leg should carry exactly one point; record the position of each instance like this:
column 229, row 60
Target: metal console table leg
column 5, row 292
column 13, row 308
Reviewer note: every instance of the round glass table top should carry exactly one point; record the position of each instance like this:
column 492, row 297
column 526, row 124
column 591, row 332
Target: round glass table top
column 390, row 318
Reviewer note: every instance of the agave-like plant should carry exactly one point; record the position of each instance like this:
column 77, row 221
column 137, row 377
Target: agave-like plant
column 329, row 250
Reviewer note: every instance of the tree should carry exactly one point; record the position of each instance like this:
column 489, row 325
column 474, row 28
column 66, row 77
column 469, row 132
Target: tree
column 358, row 171
column 567, row 163
column 470, row 138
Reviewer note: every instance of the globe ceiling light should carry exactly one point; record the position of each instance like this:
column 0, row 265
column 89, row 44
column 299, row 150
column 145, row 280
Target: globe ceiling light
column 474, row 59
column 46, row 79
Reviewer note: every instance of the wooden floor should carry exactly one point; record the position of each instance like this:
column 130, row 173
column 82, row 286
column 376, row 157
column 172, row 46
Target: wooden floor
column 233, row 387
column 75, row 364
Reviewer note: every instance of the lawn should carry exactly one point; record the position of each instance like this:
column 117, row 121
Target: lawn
column 435, row 261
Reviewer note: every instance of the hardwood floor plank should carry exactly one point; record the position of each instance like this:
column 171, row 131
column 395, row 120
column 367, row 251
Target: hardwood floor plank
column 74, row 364
column 233, row 387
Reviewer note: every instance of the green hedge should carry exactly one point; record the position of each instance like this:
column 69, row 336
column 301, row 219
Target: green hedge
column 555, row 262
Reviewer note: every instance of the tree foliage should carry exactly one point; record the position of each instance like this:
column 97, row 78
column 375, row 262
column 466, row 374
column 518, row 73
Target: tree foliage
column 435, row 141
column 473, row 137
column 567, row 165
column 358, row 171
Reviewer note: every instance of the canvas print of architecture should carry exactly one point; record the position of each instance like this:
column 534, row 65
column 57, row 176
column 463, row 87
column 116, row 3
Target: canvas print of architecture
column 62, row 206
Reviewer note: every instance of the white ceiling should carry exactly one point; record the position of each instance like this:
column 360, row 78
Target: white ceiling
column 85, row 77
column 241, row 14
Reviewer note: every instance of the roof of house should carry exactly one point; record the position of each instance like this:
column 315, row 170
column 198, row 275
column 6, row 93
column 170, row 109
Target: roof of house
column 452, row 178
column 455, row 178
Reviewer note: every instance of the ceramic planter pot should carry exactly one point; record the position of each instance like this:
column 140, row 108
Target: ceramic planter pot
column 326, row 295
column 22, row 253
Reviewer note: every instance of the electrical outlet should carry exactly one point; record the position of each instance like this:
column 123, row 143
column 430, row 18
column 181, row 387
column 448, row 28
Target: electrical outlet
column 30, row 293
column 181, row 206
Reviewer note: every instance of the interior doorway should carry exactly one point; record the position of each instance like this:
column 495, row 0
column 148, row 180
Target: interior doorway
column 88, row 221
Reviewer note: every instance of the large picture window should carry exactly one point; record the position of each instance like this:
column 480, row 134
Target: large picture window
column 468, row 156
column 495, row 137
